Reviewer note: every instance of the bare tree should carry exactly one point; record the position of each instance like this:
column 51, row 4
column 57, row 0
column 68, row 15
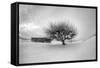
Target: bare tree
column 61, row 32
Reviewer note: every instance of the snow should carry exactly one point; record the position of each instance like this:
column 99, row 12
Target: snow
column 31, row 52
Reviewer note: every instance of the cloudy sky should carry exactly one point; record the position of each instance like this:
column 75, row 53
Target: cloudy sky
column 34, row 19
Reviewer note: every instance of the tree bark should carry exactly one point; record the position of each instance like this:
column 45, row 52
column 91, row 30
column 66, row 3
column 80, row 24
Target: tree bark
column 63, row 42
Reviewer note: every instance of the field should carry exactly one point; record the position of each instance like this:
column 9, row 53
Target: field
column 31, row 52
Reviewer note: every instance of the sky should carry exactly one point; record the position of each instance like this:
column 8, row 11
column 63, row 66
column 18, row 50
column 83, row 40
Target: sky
column 34, row 19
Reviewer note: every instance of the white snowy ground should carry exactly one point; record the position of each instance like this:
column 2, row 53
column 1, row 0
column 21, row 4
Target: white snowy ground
column 30, row 52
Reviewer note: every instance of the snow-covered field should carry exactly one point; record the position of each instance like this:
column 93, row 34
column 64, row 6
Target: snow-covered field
column 31, row 52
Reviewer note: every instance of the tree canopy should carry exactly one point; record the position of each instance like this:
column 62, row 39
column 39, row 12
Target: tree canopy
column 61, row 31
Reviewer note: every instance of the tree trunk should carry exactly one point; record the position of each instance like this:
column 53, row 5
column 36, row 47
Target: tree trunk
column 63, row 42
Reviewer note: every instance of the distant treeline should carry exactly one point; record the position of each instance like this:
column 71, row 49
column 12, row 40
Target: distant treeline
column 41, row 40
